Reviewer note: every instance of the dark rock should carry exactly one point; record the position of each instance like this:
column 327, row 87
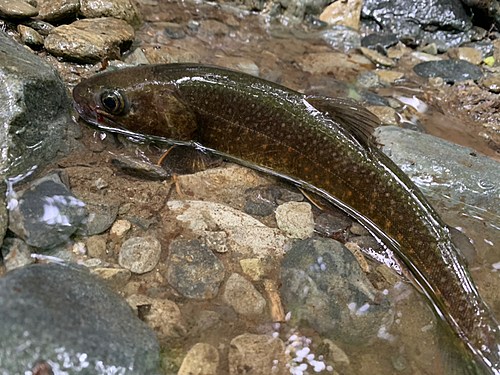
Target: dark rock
column 174, row 31
column 62, row 314
column 341, row 37
column 57, row 10
column 368, row 80
column 368, row 244
column 34, row 110
column 449, row 70
column 42, row 27
column 30, row 36
column 258, row 208
column 379, row 39
column 46, row 214
column 331, row 225
column 17, row 9
column 90, row 40
column 102, row 213
column 137, row 168
column 324, row 285
column 193, row 269
column 444, row 22
column 262, row 202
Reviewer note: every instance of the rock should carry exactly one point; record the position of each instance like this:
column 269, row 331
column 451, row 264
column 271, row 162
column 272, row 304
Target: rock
column 377, row 58
column 137, row 57
column 331, row 62
column 102, row 213
column 492, row 83
column 207, row 319
column 162, row 315
column 119, row 230
column 46, row 214
column 334, row 353
column 451, row 25
column 216, row 241
column 29, row 36
column 33, row 111
column 341, row 37
column 174, row 31
column 246, row 236
column 485, row 46
column 170, row 55
column 253, row 268
column 467, row 54
column 449, row 70
column 140, row 254
column 116, row 278
column 258, row 355
column 258, row 208
column 16, row 254
column 239, row 63
column 345, row 13
column 193, row 270
column 213, row 27
column 425, row 56
column 386, row 115
column 368, row 80
column 242, row 296
column 17, row 9
column 58, row 10
column 138, row 168
column 42, row 27
column 50, row 311
column 430, row 49
column 95, row 263
column 324, row 285
column 295, row 219
column 359, row 230
column 330, row 225
column 202, row 359
column 390, row 76
column 90, row 40
column 375, row 39
column 121, row 9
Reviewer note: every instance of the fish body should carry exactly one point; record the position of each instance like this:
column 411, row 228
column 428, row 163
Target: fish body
column 319, row 144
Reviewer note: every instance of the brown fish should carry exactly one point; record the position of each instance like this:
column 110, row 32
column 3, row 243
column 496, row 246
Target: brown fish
column 321, row 145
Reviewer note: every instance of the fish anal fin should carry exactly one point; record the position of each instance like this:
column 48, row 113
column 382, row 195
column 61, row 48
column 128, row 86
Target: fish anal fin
column 349, row 114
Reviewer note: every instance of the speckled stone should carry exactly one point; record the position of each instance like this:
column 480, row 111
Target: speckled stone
column 17, row 9
column 377, row 58
column 201, row 359
column 57, row 10
column 121, row 9
column 295, row 219
column 140, row 254
column 242, row 296
column 29, row 36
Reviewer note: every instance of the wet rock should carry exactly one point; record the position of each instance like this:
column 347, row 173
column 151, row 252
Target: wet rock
column 213, row 27
column 422, row 56
column 444, row 22
column 345, row 13
column 29, row 36
column 33, row 108
column 331, row 62
column 324, row 285
column 116, row 278
column 467, row 54
column 102, row 213
column 368, row 80
column 193, row 25
column 202, row 359
column 193, row 270
column 174, row 31
column 121, row 9
column 46, row 214
column 140, row 254
column 253, row 268
column 239, row 63
column 390, row 76
column 246, row 236
column 295, row 219
column 377, row 58
column 137, row 57
column 431, row 49
column 242, row 296
column 261, row 202
column 42, row 27
column 258, row 208
column 162, row 315
column 329, row 225
column 485, row 46
column 340, row 37
column 57, row 10
column 375, row 39
column 333, row 352
column 95, row 263
column 207, row 319
column 90, row 40
column 449, row 70
column 119, row 230
column 257, row 354
column 367, row 243
column 358, row 230
column 16, row 254
column 170, row 55
column 138, row 168
column 48, row 310
column 492, row 83
column 446, row 173
column 17, row 9
column 386, row 115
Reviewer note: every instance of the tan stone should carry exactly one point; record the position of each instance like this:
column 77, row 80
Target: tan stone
column 387, row 115
column 389, row 76
column 471, row 55
column 377, row 58
column 344, row 12
column 202, row 359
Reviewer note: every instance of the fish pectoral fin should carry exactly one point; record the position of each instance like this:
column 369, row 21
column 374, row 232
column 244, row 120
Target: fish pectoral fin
column 179, row 160
column 349, row 114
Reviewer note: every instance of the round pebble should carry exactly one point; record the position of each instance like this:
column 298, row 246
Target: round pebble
column 242, row 296
column 295, row 219
column 140, row 254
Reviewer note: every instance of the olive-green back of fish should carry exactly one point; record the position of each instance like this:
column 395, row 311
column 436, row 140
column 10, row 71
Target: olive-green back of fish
column 320, row 144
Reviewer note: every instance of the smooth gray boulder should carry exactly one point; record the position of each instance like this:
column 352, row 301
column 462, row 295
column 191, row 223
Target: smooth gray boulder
column 66, row 317
column 34, row 110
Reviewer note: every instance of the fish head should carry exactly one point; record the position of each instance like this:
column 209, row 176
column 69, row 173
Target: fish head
column 132, row 100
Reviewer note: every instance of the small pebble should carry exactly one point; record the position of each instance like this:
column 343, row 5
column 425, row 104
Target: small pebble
column 467, row 54
column 431, row 49
column 140, row 254
column 377, row 58
column 116, row 278
column 252, row 268
column 174, row 31
column 359, row 230
column 29, row 36
column 368, row 80
column 201, row 359
column 295, row 219
column 242, row 296
column 390, row 76
column 119, row 230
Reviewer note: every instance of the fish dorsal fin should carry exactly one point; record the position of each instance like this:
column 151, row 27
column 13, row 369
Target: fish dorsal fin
column 349, row 114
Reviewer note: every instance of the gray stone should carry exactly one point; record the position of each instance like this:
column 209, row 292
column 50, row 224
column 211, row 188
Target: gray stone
column 96, row 246
column 242, row 296
column 449, row 70
column 329, row 225
column 138, row 168
column 368, row 80
column 193, row 269
column 116, row 278
column 121, row 9
column 30, row 36
column 202, row 359
column 207, row 319
column 341, row 37
column 46, row 214
column 64, row 315
column 90, row 40
column 140, row 254
column 16, row 254
column 102, row 213
column 174, row 31
column 34, row 111
column 385, row 40
column 42, row 27
column 17, row 9
column 257, row 354
column 324, row 285
column 57, row 10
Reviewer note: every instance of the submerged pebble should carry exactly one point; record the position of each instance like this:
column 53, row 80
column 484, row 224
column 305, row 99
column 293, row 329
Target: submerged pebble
column 201, row 359
column 242, row 296
column 449, row 70
column 140, row 254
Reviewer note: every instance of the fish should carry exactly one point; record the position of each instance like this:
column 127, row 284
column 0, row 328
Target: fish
column 322, row 145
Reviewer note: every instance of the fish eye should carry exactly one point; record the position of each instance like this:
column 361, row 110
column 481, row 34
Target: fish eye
column 113, row 101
